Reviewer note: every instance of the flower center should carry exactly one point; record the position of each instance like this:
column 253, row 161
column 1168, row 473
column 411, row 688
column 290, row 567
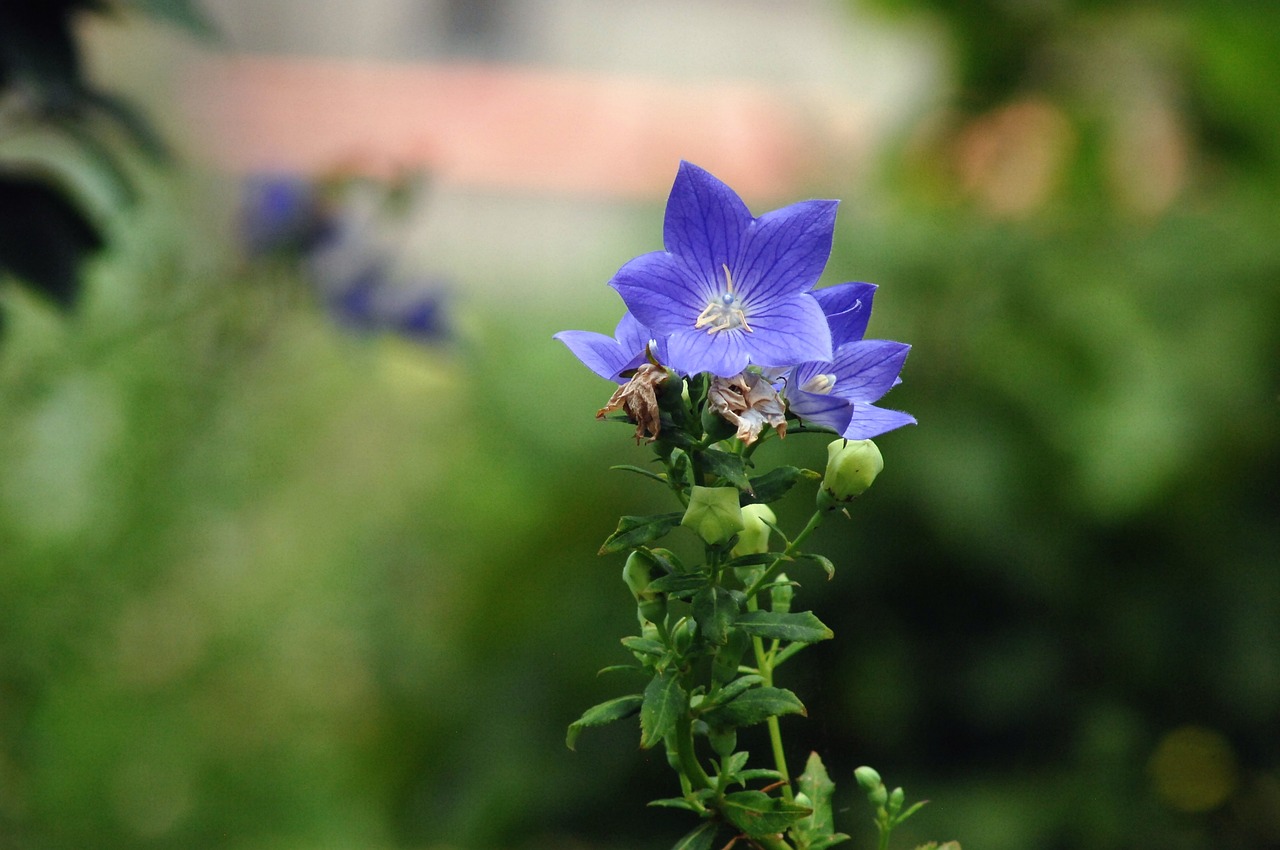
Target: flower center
column 820, row 384
column 724, row 311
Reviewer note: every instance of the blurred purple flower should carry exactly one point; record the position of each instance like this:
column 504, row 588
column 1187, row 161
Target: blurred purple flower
column 732, row 290
column 282, row 214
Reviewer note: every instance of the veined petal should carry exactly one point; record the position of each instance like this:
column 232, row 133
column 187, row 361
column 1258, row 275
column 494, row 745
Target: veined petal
column 785, row 251
column 661, row 292
column 791, row 330
column 814, row 409
column 867, row 369
column 599, row 353
column 704, row 224
column 725, row 353
column 867, row 421
column 848, row 309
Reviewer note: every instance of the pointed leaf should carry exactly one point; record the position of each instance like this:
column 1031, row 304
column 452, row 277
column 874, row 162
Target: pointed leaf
column 675, row 803
column 636, row 531
column 776, row 483
column 733, row 689
column 757, row 814
column 664, row 702
column 726, row 465
column 802, row 627
column 828, row 567
column 640, row 470
column 715, row 609
column 605, row 712
column 754, row 706
column 815, row 784
column 700, row 838
column 676, row 585
column 644, row 646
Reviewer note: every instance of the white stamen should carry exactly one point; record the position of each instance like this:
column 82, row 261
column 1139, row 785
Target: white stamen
column 820, row 384
column 723, row 312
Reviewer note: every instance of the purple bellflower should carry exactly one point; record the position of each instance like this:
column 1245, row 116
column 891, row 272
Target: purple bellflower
column 838, row 394
column 732, row 290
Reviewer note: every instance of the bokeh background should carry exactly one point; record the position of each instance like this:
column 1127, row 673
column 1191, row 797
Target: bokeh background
column 299, row 501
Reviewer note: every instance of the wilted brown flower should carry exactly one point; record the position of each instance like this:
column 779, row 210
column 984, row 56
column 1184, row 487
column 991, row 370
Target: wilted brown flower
column 750, row 402
column 638, row 398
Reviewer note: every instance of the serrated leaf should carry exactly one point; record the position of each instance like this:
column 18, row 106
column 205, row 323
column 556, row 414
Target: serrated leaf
column 700, row 837
column 664, row 701
column 736, row 763
column 815, row 784
column 754, row 706
column 726, row 465
column 605, row 712
column 776, row 483
column 644, row 646
column 636, row 531
column 800, row 627
column 827, row 567
column 714, row 609
column 640, row 470
column 757, row 814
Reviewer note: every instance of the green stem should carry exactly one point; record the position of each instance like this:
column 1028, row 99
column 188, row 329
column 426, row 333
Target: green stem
column 776, row 567
column 688, row 757
column 764, row 665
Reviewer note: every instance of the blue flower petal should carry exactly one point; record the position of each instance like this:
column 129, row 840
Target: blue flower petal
column 704, row 224
column 656, row 288
column 785, row 252
column 815, row 409
column 599, row 353
column 793, row 330
column 867, row 421
column 866, row 370
column 724, row 354
column 848, row 309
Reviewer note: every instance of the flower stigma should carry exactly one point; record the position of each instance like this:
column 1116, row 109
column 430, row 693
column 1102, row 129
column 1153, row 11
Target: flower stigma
column 724, row 312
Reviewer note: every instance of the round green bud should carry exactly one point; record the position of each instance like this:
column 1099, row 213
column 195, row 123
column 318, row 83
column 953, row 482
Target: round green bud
column 637, row 573
column 851, row 467
column 723, row 741
column 754, row 539
column 896, row 798
column 716, row 426
column 868, row 778
column 713, row 514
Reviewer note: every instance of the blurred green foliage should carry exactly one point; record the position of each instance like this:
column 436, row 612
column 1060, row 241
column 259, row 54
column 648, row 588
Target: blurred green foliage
column 263, row 585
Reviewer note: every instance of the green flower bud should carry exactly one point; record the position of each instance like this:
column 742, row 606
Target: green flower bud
column 637, row 573
column 868, row 778
column 683, row 634
column 723, row 741
column 780, row 595
column 713, row 514
column 851, row 467
column 754, row 539
column 896, row 798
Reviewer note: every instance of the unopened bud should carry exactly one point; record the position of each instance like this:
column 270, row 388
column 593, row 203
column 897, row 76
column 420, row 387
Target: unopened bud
column 851, row 467
column 713, row 514
column 723, row 741
column 637, row 573
column 780, row 595
column 683, row 634
column 868, row 778
column 896, row 799
column 754, row 539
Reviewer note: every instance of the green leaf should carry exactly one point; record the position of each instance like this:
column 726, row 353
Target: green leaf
column 815, row 784
column 620, row 668
column 726, row 465
column 644, row 645
column 733, row 689
column 664, row 702
column 802, row 627
column 636, row 531
column 825, row 563
column 715, row 609
column 736, row 763
column 675, row 803
column 640, row 470
column 700, row 838
column 754, row 706
column 677, row 585
column 759, row 773
column 775, row 483
column 757, row 814
column 605, row 712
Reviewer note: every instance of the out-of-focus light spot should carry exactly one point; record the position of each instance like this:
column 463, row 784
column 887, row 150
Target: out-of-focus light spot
column 1193, row 769
column 1012, row 159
